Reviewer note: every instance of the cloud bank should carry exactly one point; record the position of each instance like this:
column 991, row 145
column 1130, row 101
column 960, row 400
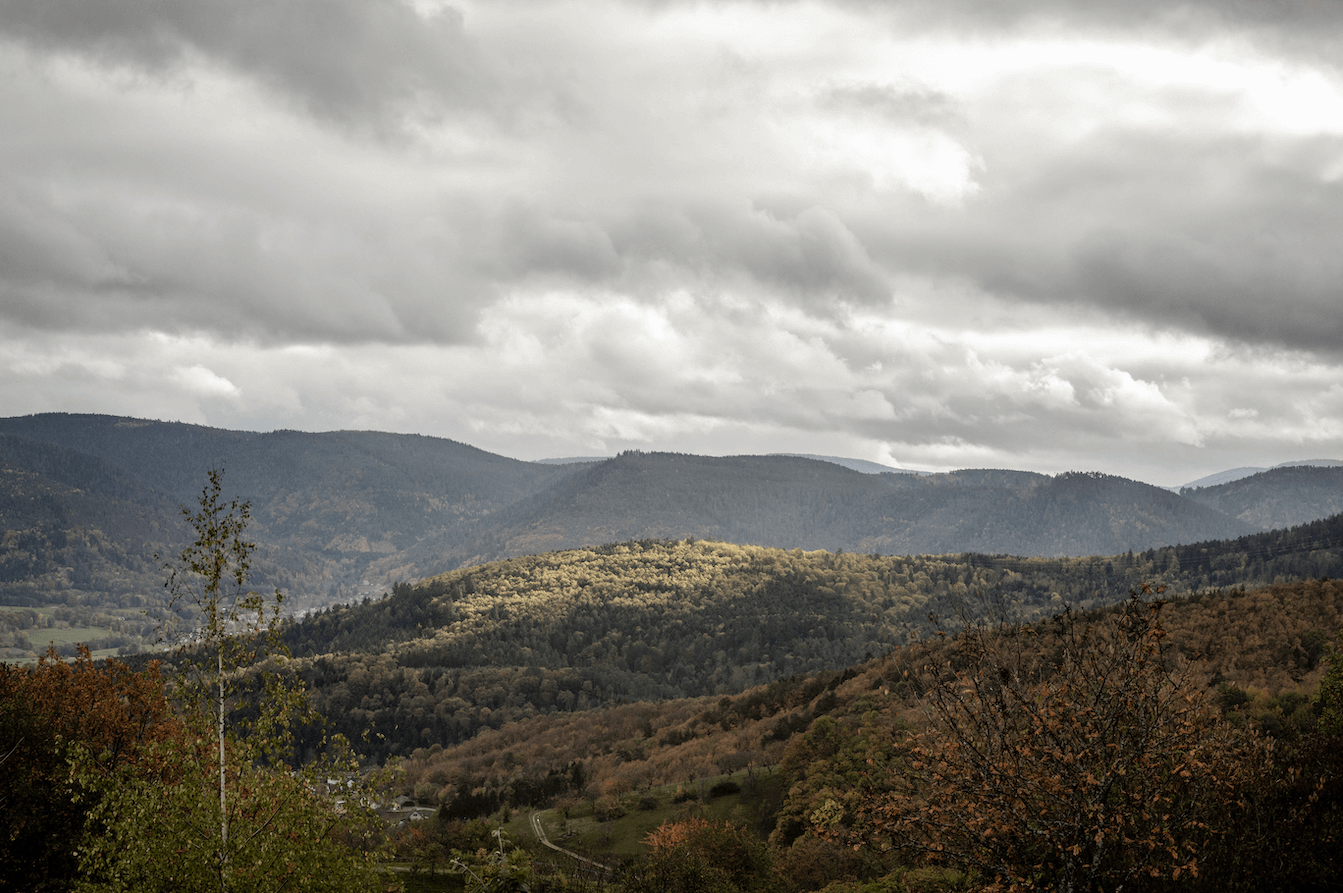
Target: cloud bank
column 1033, row 234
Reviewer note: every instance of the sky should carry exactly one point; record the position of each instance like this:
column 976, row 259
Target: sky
column 1031, row 234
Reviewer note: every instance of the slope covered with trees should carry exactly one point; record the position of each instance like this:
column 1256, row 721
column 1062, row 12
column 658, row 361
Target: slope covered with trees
column 87, row 501
column 791, row 502
column 483, row 646
column 1131, row 734
column 73, row 523
column 840, row 758
column 1278, row 497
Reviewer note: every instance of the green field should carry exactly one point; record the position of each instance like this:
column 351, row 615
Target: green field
column 69, row 636
column 64, row 627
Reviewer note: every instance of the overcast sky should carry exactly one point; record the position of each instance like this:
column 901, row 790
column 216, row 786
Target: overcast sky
column 957, row 233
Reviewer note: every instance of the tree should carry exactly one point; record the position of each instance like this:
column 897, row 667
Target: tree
column 208, row 582
column 696, row 855
column 1292, row 823
column 226, row 812
column 494, row 869
column 1074, row 755
column 1329, row 700
column 161, row 836
column 49, row 713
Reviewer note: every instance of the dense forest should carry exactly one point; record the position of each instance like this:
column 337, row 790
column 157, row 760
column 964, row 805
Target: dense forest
column 1252, row 648
column 480, row 647
column 87, row 502
column 823, row 750
column 1288, row 496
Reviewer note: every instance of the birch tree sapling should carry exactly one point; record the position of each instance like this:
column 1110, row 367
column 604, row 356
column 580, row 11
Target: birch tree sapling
column 208, row 583
column 228, row 814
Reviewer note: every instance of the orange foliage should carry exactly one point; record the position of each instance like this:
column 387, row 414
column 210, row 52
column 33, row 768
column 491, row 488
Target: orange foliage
column 46, row 712
column 109, row 709
column 672, row 834
column 1081, row 752
column 1258, row 639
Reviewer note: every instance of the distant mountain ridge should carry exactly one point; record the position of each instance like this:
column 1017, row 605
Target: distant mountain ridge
column 1280, row 497
column 343, row 514
column 1235, row 474
column 860, row 465
column 790, row 502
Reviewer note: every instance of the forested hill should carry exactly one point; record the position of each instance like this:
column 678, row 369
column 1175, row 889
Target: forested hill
column 482, row 646
column 792, row 502
column 394, row 475
column 88, row 500
column 1267, row 647
column 70, row 521
column 1279, row 497
column 324, row 505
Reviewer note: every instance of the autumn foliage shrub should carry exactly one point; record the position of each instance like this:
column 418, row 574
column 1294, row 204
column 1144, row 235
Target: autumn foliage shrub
column 50, row 714
column 696, row 855
column 1073, row 755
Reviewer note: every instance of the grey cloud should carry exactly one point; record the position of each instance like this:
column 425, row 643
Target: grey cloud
column 532, row 242
column 1234, row 237
column 38, row 245
column 353, row 60
column 918, row 105
column 1311, row 27
column 103, row 268
column 813, row 254
column 242, row 272
column 809, row 256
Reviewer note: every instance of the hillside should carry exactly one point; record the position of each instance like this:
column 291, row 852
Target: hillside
column 75, row 523
column 324, row 505
column 484, row 646
column 792, row 502
column 1270, row 640
column 812, row 738
column 89, row 500
column 1279, row 497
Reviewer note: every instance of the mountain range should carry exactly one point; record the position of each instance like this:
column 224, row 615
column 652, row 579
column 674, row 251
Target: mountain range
column 86, row 501
column 1235, row 474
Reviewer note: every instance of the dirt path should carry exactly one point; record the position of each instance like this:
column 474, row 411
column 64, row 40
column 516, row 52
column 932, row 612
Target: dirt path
column 545, row 841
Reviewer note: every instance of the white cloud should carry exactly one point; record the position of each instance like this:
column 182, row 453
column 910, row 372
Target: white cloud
column 203, row 382
column 1024, row 235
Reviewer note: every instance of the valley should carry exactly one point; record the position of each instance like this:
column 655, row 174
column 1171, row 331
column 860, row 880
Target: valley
column 671, row 664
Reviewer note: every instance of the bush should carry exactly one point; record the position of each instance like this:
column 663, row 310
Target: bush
column 1049, row 721
column 608, row 809
column 1229, row 697
column 698, row 856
